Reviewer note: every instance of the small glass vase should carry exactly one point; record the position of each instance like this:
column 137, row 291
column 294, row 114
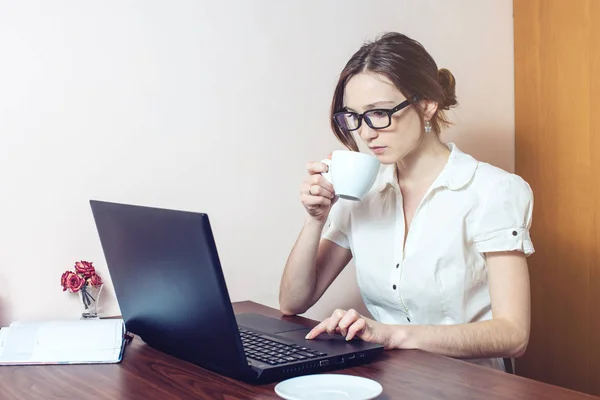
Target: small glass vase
column 89, row 296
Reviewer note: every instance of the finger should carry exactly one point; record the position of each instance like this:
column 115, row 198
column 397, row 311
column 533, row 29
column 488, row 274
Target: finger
column 305, row 187
column 319, row 180
column 317, row 190
column 315, row 201
column 357, row 328
column 334, row 321
column 317, row 330
column 324, row 326
column 350, row 317
column 320, row 201
column 316, row 167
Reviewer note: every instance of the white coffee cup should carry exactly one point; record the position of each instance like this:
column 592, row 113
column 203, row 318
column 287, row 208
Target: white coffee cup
column 351, row 173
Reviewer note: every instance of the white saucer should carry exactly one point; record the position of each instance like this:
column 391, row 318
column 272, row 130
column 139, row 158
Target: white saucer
column 328, row 387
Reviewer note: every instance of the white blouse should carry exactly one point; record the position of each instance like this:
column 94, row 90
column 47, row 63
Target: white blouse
column 440, row 275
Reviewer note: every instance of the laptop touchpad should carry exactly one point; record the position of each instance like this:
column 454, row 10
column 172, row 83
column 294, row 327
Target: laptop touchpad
column 266, row 324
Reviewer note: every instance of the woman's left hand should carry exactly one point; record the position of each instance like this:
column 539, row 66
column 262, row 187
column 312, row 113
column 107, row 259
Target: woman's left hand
column 351, row 324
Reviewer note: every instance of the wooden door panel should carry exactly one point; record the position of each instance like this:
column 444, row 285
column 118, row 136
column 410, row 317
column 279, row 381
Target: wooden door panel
column 594, row 285
column 557, row 150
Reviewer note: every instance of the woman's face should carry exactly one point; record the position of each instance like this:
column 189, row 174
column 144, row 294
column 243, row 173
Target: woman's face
column 367, row 91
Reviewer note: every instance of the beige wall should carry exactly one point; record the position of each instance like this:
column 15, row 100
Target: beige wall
column 205, row 106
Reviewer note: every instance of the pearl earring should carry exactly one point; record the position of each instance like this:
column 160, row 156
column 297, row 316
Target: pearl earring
column 427, row 127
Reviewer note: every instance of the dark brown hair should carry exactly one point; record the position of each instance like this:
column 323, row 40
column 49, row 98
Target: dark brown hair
column 409, row 66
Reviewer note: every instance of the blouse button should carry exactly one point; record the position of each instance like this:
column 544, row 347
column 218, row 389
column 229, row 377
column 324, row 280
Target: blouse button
column 394, row 287
column 514, row 233
column 397, row 265
column 408, row 319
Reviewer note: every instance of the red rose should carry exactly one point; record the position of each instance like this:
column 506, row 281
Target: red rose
column 85, row 268
column 94, row 280
column 63, row 279
column 74, row 282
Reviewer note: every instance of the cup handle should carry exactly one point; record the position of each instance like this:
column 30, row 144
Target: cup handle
column 327, row 175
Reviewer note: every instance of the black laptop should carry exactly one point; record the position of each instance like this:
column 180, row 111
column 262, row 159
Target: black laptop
column 171, row 291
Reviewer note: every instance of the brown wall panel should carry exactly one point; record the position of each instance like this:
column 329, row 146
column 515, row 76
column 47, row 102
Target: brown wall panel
column 557, row 150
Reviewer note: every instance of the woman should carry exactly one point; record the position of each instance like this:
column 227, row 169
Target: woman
column 440, row 241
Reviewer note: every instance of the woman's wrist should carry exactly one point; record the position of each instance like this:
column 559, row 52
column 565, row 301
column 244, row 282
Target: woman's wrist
column 400, row 337
column 312, row 222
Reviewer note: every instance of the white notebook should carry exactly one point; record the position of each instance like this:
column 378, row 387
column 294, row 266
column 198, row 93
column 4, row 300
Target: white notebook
column 63, row 342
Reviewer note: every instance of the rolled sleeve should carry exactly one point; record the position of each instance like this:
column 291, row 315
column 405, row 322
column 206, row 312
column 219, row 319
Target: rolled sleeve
column 339, row 223
column 505, row 217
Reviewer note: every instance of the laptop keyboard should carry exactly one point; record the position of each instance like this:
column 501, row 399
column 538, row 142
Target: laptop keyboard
column 273, row 352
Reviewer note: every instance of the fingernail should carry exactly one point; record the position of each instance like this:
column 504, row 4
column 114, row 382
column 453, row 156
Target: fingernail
column 307, row 336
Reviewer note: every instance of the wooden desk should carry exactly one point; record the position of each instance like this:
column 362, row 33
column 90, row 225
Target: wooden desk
column 146, row 373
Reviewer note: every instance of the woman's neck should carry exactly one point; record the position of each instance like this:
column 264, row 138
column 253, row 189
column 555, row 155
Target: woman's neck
column 424, row 164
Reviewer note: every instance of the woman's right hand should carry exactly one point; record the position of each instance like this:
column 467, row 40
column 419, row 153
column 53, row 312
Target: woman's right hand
column 317, row 194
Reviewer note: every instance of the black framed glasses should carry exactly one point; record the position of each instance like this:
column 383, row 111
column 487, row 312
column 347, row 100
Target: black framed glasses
column 377, row 118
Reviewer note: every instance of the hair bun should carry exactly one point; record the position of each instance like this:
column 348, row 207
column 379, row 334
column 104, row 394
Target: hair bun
column 448, row 84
